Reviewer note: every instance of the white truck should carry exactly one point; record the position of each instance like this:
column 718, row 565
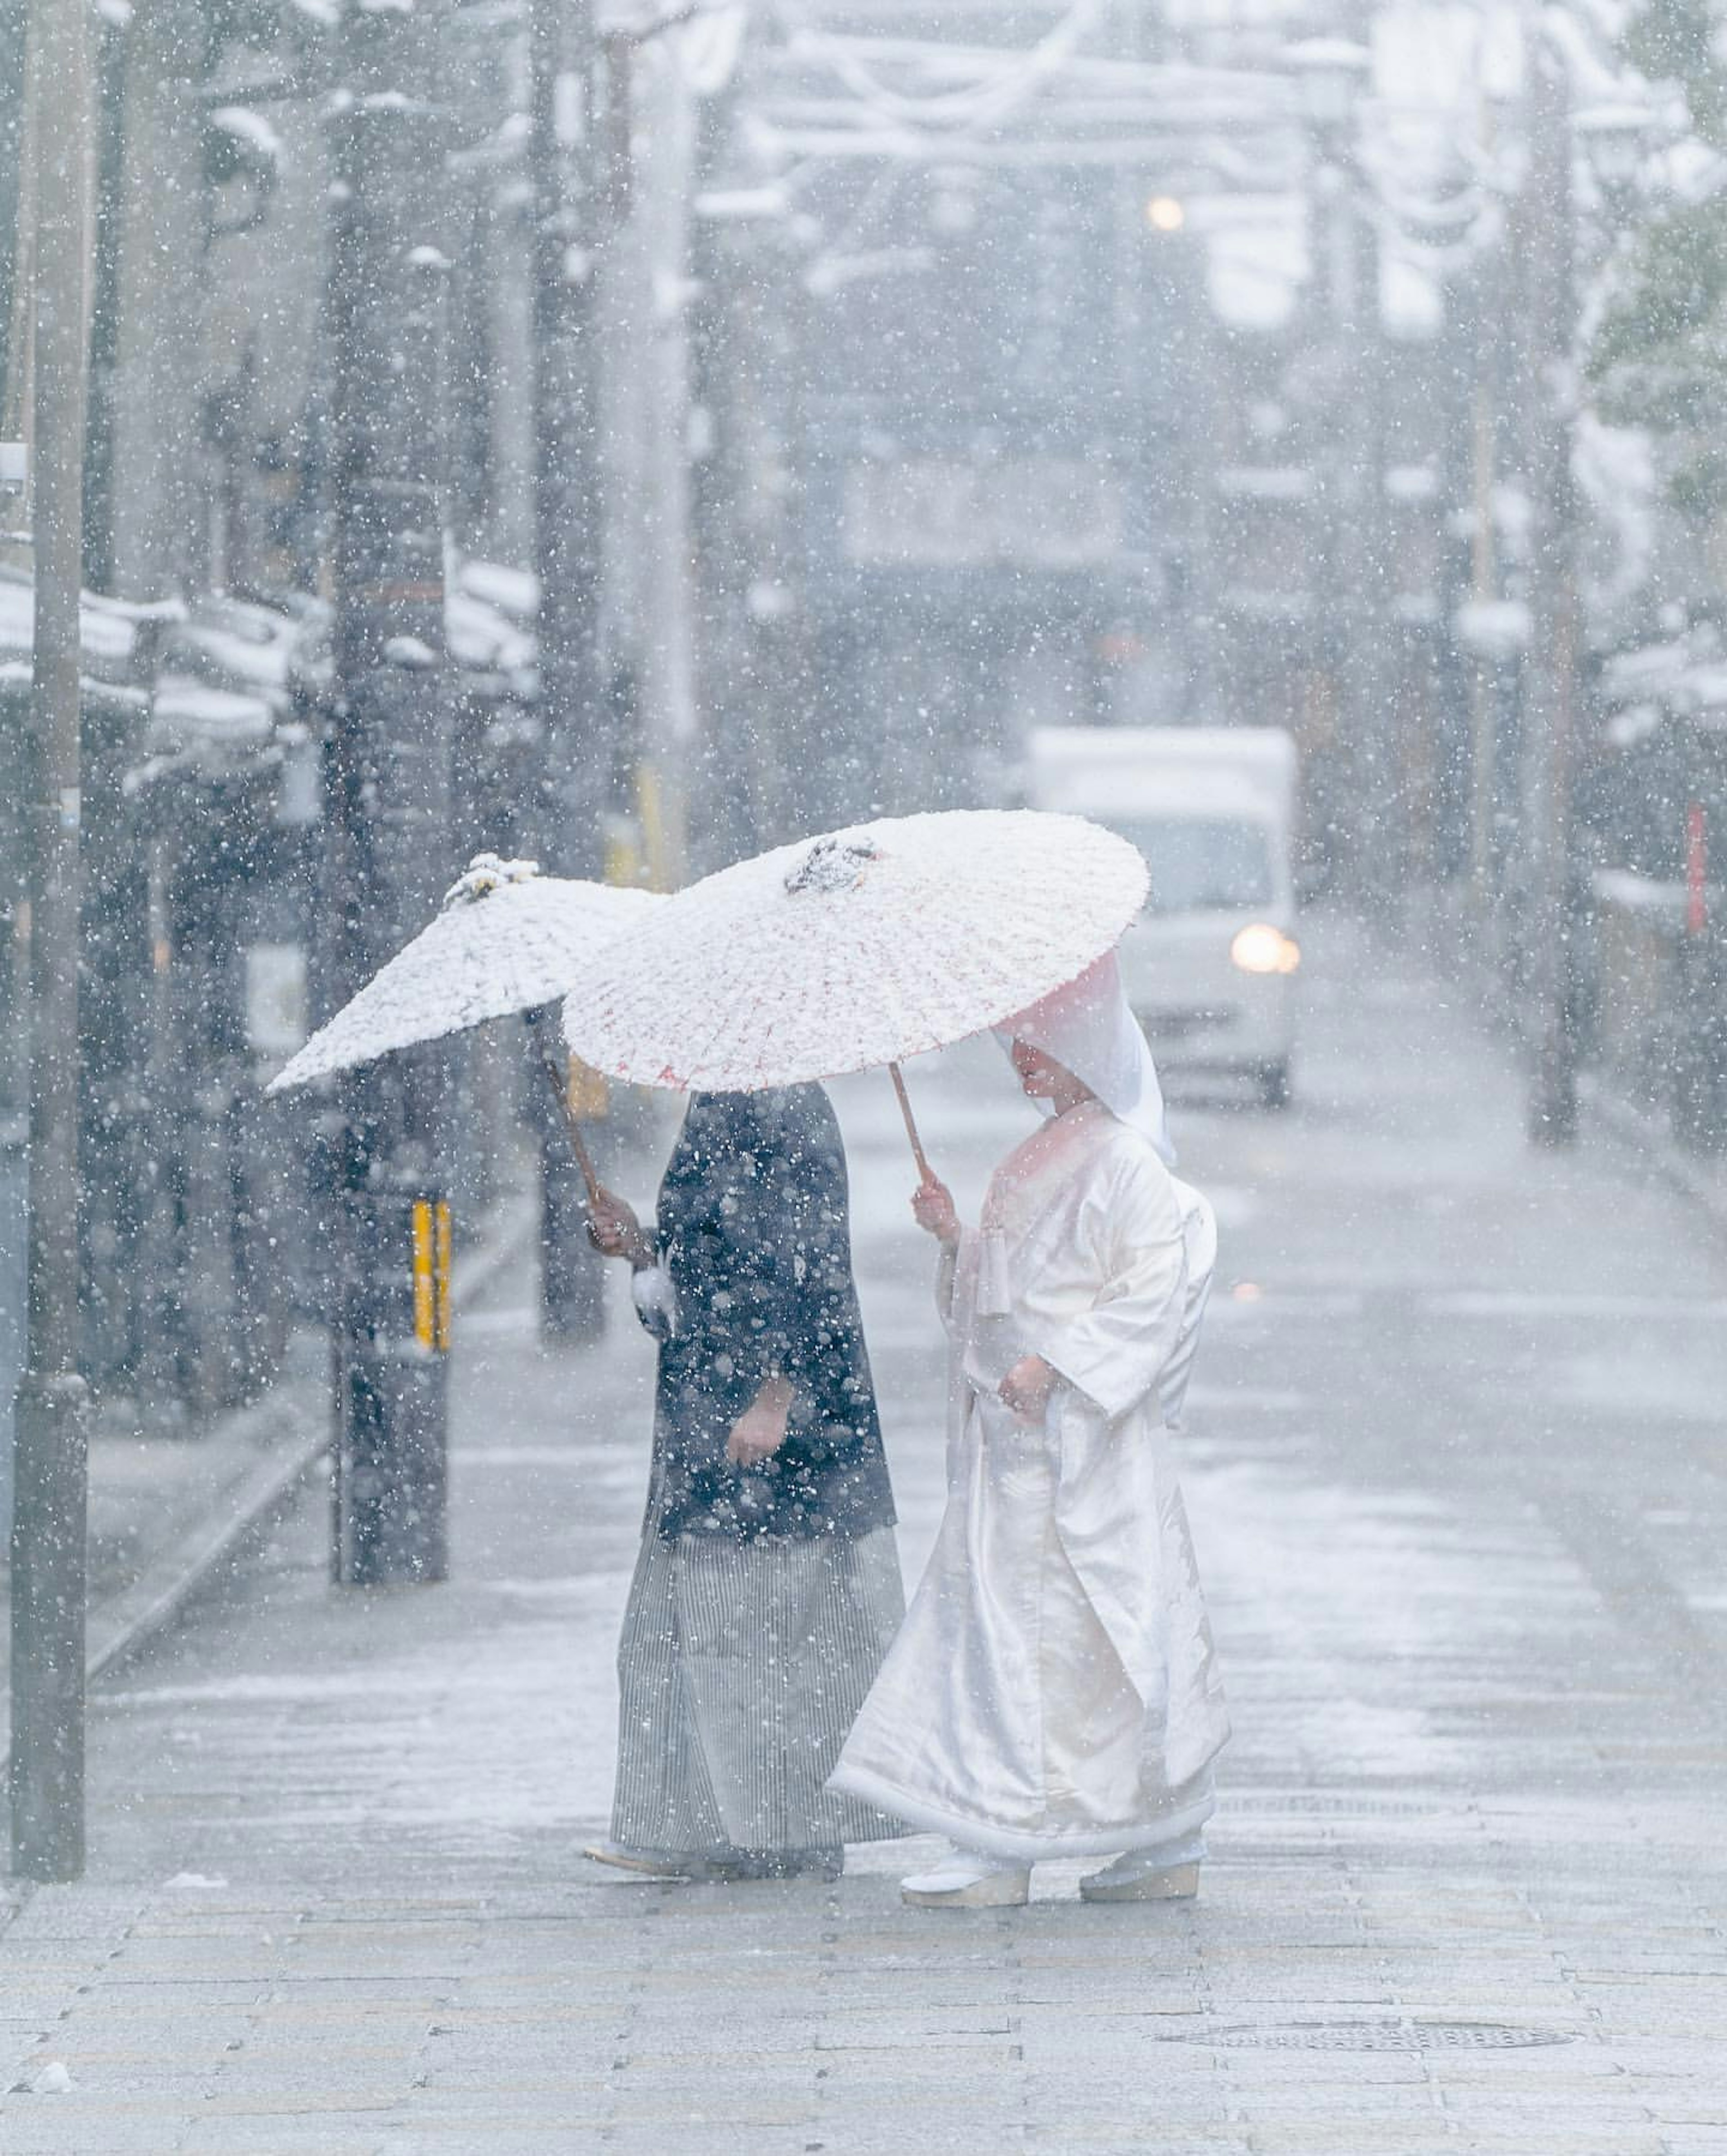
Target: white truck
column 1210, row 966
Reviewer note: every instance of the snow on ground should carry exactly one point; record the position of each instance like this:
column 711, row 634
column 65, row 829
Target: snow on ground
column 1460, row 1517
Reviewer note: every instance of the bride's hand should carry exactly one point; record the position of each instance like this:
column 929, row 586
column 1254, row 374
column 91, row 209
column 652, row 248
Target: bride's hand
column 932, row 1209
column 1026, row 1388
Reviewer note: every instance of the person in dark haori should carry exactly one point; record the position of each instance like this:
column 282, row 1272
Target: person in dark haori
column 768, row 1587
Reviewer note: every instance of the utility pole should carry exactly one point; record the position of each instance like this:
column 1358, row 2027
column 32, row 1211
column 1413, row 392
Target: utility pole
column 1483, row 591
column 1358, row 801
column 160, row 514
column 49, row 1521
column 573, row 206
column 666, row 628
column 1356, row 485
column 1380, row 812
column 386, row 767
column 1486, row 292
column 1177, row 425
column 1550, row 299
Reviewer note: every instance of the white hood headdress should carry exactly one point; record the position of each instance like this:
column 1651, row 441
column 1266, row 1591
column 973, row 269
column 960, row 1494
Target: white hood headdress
column 1088, row 1028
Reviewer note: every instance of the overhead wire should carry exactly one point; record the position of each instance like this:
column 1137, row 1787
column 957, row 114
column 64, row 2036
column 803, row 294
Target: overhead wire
column 959, row 111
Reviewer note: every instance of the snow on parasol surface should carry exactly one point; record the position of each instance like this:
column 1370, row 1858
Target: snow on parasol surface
column 856, row 949
column 507, row 939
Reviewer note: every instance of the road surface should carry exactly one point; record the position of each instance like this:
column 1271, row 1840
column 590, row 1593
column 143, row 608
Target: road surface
column 1455, row 1464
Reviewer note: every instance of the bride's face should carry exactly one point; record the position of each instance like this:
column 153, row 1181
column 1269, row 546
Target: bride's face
column 1041, row 1078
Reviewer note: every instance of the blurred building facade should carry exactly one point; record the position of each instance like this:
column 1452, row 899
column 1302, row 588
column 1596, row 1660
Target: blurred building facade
column 959, row 367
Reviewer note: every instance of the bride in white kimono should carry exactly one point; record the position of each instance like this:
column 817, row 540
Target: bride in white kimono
column 1054, row 1691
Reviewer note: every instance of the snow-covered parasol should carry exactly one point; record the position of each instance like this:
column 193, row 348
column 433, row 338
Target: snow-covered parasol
column 855, row 949
column 507, row 939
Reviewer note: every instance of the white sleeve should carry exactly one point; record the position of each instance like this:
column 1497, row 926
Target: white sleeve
column 947, row 1270
column 1114, row 1351
column 655, row 1298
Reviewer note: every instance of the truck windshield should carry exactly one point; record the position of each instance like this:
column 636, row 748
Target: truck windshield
column 1202, row 863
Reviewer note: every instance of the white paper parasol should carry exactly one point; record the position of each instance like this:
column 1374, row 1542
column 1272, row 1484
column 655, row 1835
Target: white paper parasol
column 507, row 939
column 859, row 948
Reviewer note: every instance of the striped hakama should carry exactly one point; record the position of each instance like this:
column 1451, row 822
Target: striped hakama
column 742, row 1667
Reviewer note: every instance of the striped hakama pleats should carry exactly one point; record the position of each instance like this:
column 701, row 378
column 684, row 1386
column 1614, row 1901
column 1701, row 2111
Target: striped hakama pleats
column 741, row 1669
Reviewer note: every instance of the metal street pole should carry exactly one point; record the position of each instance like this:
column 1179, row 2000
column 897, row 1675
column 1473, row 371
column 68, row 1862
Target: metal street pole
column 49, row 1521
column 387, row 774
column 1550, row 714
column 573, row 205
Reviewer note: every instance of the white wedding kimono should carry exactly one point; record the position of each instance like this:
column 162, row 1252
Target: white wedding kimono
column 1054, row 1691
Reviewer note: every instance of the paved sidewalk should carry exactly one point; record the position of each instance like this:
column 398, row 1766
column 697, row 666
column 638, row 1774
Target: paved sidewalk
column 1457, row 1477
column 167, row 1512
column 1610, row 1111
column 164, row 1511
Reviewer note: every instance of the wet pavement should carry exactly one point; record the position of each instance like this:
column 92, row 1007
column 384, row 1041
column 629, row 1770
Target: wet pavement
column 1458, row 1482
column 13, row 1198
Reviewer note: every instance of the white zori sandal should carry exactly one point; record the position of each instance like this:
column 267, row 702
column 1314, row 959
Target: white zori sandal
column 1166, row 1873
column 968, row 1879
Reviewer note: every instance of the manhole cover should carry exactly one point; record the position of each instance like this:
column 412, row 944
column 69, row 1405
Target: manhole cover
column 1372, row 2036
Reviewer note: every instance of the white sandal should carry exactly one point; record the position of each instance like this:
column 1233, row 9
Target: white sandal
column 1141, row 1875
column 968, row 1879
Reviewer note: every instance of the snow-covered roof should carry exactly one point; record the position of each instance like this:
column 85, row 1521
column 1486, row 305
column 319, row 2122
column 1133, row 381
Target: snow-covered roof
column 482, row 636
column 1265, row 482
column 1639, row 894
column 241, row 646
column 1701, row 694
column 186, row 714
column 513, row 591
column 193, row 727
column 1647, row 670
column 117, row 697
column 110, row 631
column 1683, row 677
column 1495, row 629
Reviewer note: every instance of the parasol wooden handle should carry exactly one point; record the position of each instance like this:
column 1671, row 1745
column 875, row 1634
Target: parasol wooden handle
column 583, row 1159
column 556, row 1079
column 904, row 1108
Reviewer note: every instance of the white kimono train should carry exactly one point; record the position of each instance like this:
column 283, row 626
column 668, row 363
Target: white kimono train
column 1054, row 1691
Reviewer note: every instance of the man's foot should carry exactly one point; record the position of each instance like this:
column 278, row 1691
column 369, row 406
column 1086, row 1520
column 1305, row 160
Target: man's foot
column 817, row 1863
column 968, row 1879
column 1141, row 1875
column 663, row 1863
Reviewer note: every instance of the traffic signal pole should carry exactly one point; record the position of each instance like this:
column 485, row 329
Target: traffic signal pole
column 50, row 1450
column 387, row 766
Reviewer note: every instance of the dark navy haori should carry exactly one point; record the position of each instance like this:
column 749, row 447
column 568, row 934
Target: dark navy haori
column 754, row 1236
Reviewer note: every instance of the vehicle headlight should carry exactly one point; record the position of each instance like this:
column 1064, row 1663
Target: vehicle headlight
column 1263, row 949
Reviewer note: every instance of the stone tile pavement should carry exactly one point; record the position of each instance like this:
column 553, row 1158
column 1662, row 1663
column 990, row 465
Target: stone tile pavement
column 1455, row 1473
